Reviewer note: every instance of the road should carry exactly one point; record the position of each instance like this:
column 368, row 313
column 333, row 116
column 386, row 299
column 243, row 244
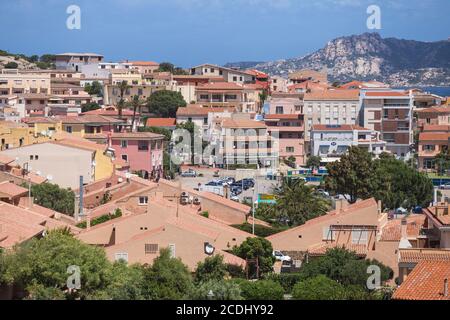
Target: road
column 262, row 186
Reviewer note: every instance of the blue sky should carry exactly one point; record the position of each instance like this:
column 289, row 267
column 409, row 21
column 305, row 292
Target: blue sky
column 190, row 32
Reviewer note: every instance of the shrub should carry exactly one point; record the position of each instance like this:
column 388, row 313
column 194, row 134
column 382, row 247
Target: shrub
column 261, row 290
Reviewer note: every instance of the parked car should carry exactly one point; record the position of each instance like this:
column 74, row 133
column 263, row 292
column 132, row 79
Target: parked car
column 445, row 186
column 234, row 198
column 189, row 174
column 242, row 184
column 281, row 256
column 250, row 182
column 236, row 190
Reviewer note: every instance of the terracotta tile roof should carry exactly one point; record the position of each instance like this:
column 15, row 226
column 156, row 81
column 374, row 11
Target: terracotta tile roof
column 440, row 218
column 5, row 159
column 39, row 120
column 392, row 231
column 199, row 110
column 242, row 124
column 436, row 128
column 435, row 109
column 425, row 282
column 161, row 122
column 387, row 94
column 321, row 249
column 109, row 113
column 88, row 119
column 34, row 178
column 332, row 95
column 282, row 116
column 81, row 143
column 11, row 190
column 329, row 216
column 137, row 135
column 343, row 127
column 434, row 136
column 18, row 224
column 144, row 63
column 220, row 86
column 416, row 255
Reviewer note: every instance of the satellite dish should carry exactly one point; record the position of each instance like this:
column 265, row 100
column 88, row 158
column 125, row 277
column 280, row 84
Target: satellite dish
column 43, row 132
column 38, row 173
column 209, row 249
column 128, row 175
column 120, row 180
column 49, row 177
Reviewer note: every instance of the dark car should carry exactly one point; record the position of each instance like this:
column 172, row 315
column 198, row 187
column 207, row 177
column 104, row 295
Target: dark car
column 242, row 184
column 236, row 190
column 250, row 182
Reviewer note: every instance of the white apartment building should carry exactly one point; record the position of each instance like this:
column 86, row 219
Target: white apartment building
column 229, row 75
column 74, row 61
column 391, row 113
column 330, row 142
column 330, row 107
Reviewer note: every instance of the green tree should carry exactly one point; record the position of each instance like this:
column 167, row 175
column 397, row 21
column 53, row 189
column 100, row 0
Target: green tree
column 136, row 104
column 167, row 279
column 442, row 161
column 344, row 267
column 53, row 197
column 318, row 288
column 40, row 267
column 124, row 283
column 352, row 175
column 90, row 106
column 165, row 132
column 298, row 203
column 123, row 87
column 313, row 162
column 398, row 185
column 220, row 289
column 261, row 290
column 212, row 268
column 169, row 67
column 165, row 103
column 259, row 248
column 94, row 89
column 11, row 65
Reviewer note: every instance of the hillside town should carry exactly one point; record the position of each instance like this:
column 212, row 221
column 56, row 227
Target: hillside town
column 231, row 183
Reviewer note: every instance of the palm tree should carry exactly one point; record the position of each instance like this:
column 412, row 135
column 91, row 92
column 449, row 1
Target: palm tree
column 136, row 103
column 298, row 203
column 123, row 87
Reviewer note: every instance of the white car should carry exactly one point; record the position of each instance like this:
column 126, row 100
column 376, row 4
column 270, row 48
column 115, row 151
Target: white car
column 281, row 257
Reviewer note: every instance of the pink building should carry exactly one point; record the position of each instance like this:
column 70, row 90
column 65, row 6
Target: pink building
column 143, row 151
column 285, row 116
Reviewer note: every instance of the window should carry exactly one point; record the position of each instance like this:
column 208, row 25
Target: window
column 143, row 200
column 290, row 149
column 143, row 145
column 279, row 110
column 172, row 250
column 205, row 120
column 359, row 236
column 31, row 157
column 36, row 157
column 234, row 78
column 151, row 248
column 124, row 144
column 204, row 97
column 69, row 129
column 327, row 235
column 125, row 157
column 121, row 256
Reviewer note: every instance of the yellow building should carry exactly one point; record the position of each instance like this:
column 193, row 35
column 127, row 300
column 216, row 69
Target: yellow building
column 13, row 135
column 104, row 166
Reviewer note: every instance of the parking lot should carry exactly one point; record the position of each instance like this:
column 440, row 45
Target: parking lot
column 262, row 185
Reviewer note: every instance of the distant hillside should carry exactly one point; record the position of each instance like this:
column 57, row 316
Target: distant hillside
column 21, row 61
column 243, row 65
column 368, row 56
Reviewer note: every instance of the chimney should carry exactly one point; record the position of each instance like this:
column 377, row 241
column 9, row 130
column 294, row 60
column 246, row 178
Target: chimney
column 435, row 196
column 338, row 206
column 404, row 228
column 380, row 207
column 446, row 287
